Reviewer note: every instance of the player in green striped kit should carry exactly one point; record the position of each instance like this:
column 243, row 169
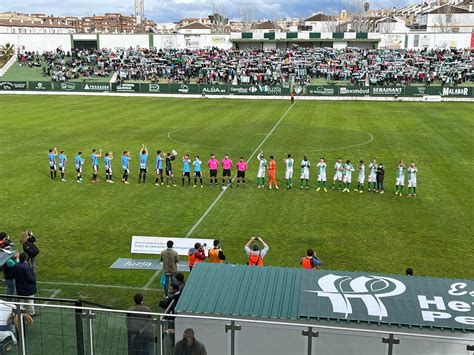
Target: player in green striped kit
column 412, row 172
column 361, row 178
column 400, row 181
column 289, row 162
column 348, row 169
column 372, row 180
column 321, row 175
column 262, row 168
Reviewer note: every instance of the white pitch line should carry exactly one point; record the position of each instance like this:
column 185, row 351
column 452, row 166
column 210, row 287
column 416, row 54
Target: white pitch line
column 150, row 281
column 199, row 221
column 53, row 295
column 78, row 284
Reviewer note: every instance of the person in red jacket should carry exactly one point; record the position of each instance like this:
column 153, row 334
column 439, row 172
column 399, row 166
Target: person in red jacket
column 310, row 261
column 196, row 255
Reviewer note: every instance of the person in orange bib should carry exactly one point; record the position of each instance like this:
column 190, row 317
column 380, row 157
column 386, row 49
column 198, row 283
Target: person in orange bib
column 272, row 173
column 256, row 255
column 215, row 255
column 310, row 261
column 196, row 255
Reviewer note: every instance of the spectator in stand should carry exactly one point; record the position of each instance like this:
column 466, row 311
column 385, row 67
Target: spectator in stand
column 9, row 275
column 7, row 327
column 170, row 260
column 171, row 301
column 25, row 282
column 215, row 255
column 196, row 255
column 180, row 282
column 310, row 261
column 189, row 345
column 28, row 241
column 140, row 332
column 256, row 255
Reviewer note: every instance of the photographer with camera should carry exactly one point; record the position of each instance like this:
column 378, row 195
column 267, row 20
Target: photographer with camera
column 310, row 261
column 256, row 255
column 216, row 255
column 28, row 241
column 196, row 255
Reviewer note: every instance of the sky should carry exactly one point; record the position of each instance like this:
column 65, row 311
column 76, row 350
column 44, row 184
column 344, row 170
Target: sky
column 174, row 10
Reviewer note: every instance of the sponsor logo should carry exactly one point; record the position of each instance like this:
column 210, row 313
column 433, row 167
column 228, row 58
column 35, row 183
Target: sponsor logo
column 39, row 86
column 369, row 289
column 270, row 90
column 154, row 88
column 239, row 90
column 96, row 87
column 7, row 85
column 421, row 90
column 354, row 91
column 184, row 89
column 298, row 90
column 213, row 90
column 126, row 88
column 321, row 90
column 455, row 92
column 387, row 91
column 68, row 86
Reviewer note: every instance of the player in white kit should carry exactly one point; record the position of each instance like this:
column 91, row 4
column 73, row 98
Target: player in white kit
column 262, row 169
column 321, row 175
column 361, row 177
column 412, row 172
column 338, row 169
column 305, row 165
column 289, row 162
column 400, row 181
column 348, row 169
column 372, row 180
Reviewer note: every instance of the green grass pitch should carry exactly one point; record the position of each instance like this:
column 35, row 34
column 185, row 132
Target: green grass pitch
column 83, row 229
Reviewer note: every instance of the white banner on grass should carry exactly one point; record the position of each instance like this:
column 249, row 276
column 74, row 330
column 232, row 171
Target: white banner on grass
column 155, row 245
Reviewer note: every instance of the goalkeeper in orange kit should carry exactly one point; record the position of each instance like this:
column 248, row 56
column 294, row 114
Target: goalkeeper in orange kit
column 272, row 173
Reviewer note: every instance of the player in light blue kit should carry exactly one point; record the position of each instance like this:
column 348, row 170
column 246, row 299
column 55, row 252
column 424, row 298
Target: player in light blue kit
column 159, row 167
column 186, row 170
column 95, row 164
column 62, row 164
column 143, row 163
column 108, row 167
column 197, row 163
column 52, row 153
column 125, row 166
column 79, row 161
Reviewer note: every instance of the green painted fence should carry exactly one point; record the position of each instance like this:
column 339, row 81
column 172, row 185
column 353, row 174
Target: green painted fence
column 241, row 90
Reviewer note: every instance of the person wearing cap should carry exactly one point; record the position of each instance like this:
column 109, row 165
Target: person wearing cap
column 256, row 255
column 170, row 260
column 189, row 345
column 215, row 255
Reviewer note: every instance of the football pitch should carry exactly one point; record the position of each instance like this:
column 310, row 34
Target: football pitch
column 83, row 228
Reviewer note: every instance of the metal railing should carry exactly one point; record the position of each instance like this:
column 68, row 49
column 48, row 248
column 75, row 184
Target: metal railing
column 75, row 329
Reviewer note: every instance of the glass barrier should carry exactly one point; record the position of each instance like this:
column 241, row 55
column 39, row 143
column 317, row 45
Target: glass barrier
column 60, row 329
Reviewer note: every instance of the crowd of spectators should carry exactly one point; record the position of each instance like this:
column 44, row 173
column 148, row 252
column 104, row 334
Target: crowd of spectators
column 269, row 67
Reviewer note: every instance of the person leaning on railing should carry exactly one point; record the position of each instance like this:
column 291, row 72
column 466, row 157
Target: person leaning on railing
column 140, row 328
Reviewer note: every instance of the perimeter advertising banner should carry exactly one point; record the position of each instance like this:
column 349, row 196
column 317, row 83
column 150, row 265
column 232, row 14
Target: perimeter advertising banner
column 126, row 87
column 96, row 86
column 354, row 91
column 389, row 299
column 40, row 85
column 322, row 90
column 184, row 89
column 155, row 245
column 67, row 86
column 214, row 89
column 13, row 85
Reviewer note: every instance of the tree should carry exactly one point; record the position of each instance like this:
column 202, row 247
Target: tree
column 358, row 16
column 6, row 52
column 444, row 21
column 331, row 24
column 247, row 11
column 219, row 17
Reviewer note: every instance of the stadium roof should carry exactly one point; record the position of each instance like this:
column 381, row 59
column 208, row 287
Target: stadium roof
column 296, row 294
column 195, row 26
column 319, row 17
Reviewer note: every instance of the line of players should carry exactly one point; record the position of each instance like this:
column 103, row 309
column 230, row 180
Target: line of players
column 342, row 180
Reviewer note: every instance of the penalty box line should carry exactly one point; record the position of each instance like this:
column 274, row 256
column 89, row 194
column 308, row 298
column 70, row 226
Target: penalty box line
column 201, row 219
